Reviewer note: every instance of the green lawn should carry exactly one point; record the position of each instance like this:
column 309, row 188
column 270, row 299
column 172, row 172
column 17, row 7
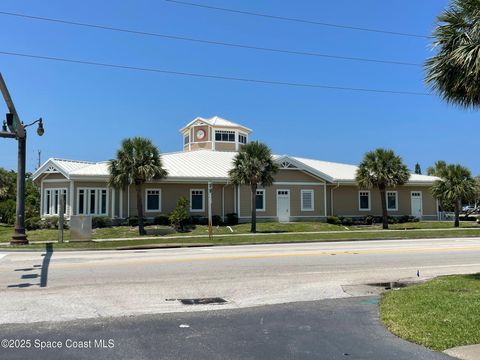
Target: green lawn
column 252, row 239
column 440, row 314
column 264, row 228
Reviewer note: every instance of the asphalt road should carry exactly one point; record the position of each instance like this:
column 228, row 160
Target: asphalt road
column 62, row 286
column 328, row 329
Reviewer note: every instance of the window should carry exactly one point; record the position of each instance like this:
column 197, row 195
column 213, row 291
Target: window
column 364, row 200
column 152, row 200
column 224, row 135
column 103, row 202
column 81, row 201
column 392, row 201
column 242, row 139
column 52, row 201
column 197, row 200
column 186, row 139
column 260, row 200
column 92, row 201
column 306, row 198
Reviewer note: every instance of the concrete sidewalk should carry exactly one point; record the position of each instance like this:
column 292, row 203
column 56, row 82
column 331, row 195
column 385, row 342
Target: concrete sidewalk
column 468, row 352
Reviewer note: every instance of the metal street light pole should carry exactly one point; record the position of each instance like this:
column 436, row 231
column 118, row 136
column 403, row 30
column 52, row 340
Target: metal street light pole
column 17, row 131
column 19, row 237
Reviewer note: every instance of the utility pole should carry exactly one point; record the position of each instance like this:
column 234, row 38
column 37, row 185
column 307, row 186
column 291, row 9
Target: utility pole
column 17, row 131
column 39, row 160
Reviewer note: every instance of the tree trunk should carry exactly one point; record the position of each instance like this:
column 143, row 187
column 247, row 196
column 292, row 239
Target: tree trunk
column 383, row 198
column 138, row 189
column 457, row 213
column 253, row 227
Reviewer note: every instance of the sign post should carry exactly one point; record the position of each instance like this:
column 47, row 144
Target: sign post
column 61, row 217
column 210, row 210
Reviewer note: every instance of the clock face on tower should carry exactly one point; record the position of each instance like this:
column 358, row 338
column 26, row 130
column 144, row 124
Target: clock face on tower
column 201, row 134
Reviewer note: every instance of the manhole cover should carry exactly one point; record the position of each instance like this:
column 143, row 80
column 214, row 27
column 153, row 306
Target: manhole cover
column 202, row 301
column 389, row 285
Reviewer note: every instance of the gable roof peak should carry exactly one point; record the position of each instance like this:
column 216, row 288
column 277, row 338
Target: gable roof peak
column 216, row 121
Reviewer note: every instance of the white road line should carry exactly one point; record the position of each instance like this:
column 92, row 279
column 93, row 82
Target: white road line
column 3, row 255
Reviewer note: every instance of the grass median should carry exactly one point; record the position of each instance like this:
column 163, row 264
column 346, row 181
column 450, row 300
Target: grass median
column 439, row 314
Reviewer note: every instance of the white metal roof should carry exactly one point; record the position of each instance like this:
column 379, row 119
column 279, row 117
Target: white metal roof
column 214, row 165
column 346, row 173
column 216, row 121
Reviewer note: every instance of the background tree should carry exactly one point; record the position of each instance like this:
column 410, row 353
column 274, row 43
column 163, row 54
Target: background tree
column 180, row 215
column 253, row 166
column 8, row 194
column 418, row 169
column 138, row 161
column 454, row 73
column 382, row 169
column 456, row 184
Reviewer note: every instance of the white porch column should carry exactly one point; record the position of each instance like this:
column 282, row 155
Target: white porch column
column 42, row 207
column 113, row 203
column 128, row 201
column 71, row 200
column 325, row 197
column 120, row 195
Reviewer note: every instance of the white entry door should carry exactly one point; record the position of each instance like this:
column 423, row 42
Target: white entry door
column 283, row 205
column 416, row 201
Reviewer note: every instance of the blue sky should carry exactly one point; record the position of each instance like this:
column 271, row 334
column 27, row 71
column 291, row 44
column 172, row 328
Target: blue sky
column 88, row 110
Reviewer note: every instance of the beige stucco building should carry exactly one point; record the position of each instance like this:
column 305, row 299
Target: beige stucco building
column 304, row 189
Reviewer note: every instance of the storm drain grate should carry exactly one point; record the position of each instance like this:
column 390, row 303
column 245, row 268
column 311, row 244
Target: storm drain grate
column 203, row 301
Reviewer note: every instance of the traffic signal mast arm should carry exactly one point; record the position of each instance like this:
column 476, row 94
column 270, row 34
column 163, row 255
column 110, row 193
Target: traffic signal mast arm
column 13, row 120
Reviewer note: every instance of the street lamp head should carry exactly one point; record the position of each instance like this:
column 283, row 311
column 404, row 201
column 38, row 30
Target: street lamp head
column 40, row 129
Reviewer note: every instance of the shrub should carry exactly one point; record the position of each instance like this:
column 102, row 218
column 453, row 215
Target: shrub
column 161, row 220
column 232, row 219
column 179, row 216
column 368, row 220
column 347, row 221
column 32, row 223
column 334, row 220
column 216, row 220
column 198, row 220
column 101, row 222
column 50, row 222
column 8, row 211
column 133, row 221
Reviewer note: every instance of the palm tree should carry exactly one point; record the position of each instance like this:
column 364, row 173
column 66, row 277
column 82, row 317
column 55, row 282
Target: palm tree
column 454, row 72
column 455, row 185
column 253, row 166
column 382, row 169
column 138, row 161
column 436, row 170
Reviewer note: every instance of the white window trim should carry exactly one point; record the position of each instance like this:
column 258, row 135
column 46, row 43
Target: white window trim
column 203, row 200
column 396, row 200
column 52, row 194
column 311, row 191
column 264, row 200
column 369, row 200
column 159, row 200
column 98, row 197
column 228, row 132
